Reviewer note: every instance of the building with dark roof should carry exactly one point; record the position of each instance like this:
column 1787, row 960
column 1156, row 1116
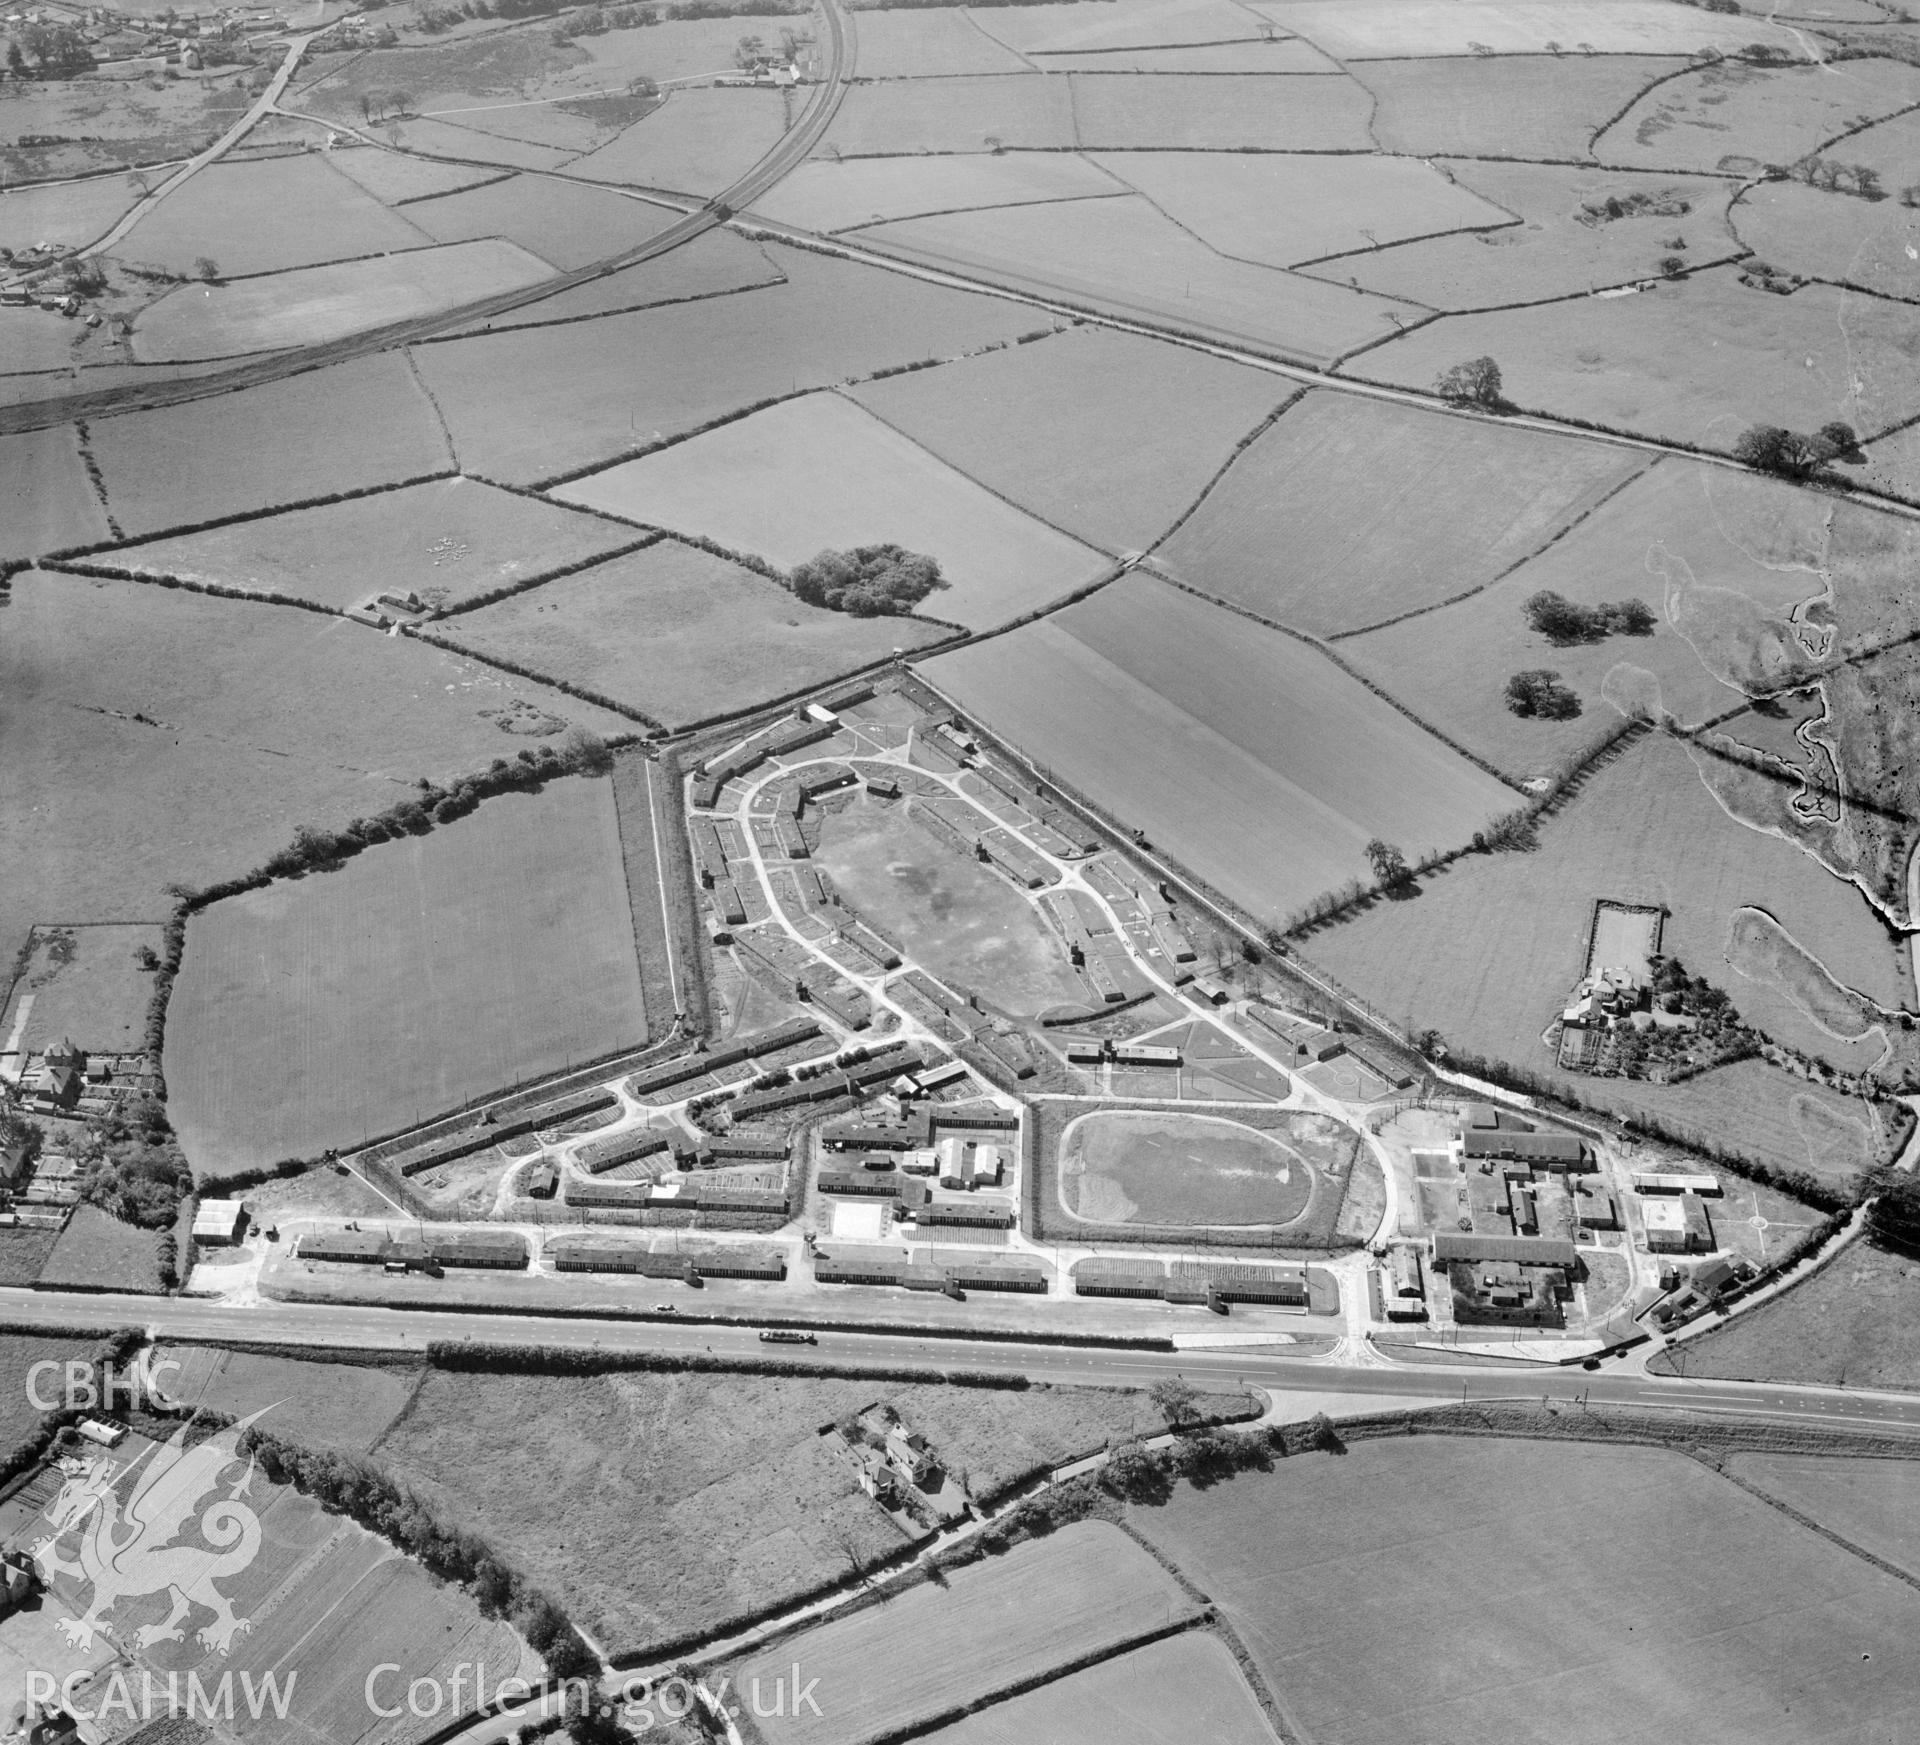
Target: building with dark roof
column 1550, row 1150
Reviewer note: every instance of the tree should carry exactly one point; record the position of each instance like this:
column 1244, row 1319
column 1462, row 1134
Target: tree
column 1538, row 693
column 1557, row 618
column 1474, row 383
column 1389, row 865
column 1176, row 1399
column 1837, row 438
column 869, row 581
column 1135, row 1473
column 206, row 267
column 1770, row 448
column 749, row 53
column 17, row 63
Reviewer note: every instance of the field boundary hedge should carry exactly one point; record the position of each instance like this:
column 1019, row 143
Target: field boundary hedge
column 598, row 314
column 458, row 1354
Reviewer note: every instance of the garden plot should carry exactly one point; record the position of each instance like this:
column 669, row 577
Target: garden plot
column 697, row 142
column 537, row 403
column 1274, row 56
column 994, row 1626
column 1105, row 434
column 1327, row 1569
column 47, row 502
column 1874, row 244
column 351, row 996
column 1011, row 112
column 1696, row 361
column 1279, row 211
column 1364, row 29
column 563, row 223
column 1528, row 106
column 315, row 304
column 447, row 541
column 70, row 213
column 97, row 1252
column 680, row 634
column 264, row 218
column 819, row 472
column 1249, row 756
column 1737, row 117
column 396, row 178
column 1219, row 113
column 1127, row 24
column 1349, row 512
column 831, row 194
column 1124, row 258
column 1557, row 249
column 930, row 44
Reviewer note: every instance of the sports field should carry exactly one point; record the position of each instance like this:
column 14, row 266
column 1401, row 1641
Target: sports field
column 933, row 1651
column 1125, row 258
column 1133, row 1166
column 1020, row 111
column 820, row 472
column 1104, row 434
column 315, row 304
column 447, row 541
column 830, row 194
column 1833, row 236
column 1250, row 757
column 561, row 222
column 697, row 142
column 351, row 994
column 965, row 923
column 1328, row 1568
column 1373, row 511
column 1367, row 29
column 47, row 502
column 681, row 634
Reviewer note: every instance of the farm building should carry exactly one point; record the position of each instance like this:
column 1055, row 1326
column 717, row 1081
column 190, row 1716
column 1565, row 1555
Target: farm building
column 1653, row 1182
column 218, row 1223
column 1550, row 1150
column 1677, row 1226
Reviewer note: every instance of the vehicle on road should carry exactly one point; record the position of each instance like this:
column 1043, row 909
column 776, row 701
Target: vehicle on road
column 786, row 1336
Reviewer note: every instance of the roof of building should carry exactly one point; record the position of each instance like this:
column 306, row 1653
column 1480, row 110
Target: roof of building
column 218, row 1217
column 1522, row 1250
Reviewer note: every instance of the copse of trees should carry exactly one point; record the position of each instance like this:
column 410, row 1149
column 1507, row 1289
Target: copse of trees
column 1538, row 693
column 1559, row 620
column 1771, row 448
column 870, row 581
column 1473, row 383
column 131, row 1166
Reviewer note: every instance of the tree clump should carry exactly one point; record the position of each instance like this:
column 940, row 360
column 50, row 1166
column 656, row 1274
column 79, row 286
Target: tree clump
column 1771, row 448
column 1474, row 383
column 870, row 581
column 131, row 1168
column 1538, row 694
column 1560, row 621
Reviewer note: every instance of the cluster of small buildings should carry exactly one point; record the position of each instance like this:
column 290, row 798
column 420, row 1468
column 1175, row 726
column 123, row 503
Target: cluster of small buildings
column 807, row 726
column 1507, row 1280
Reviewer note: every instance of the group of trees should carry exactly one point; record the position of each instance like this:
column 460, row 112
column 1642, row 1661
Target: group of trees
column 1771, row 448
column 131, row 1167
column 380, row 105
column 1560, row 621
column 1538, row 693
column 870, row 581
column 1473, row 383
column 1860, row 180
column 48, row 51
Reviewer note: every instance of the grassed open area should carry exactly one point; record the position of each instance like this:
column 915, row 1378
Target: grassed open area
column 1122, row 1166
column 86, row 984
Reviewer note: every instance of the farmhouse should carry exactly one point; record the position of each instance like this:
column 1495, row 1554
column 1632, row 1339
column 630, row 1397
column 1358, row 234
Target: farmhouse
column 1677, row 1226
column 218, row 1223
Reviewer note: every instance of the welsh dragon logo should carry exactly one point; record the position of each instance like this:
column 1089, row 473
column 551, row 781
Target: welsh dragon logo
column 128, row 1521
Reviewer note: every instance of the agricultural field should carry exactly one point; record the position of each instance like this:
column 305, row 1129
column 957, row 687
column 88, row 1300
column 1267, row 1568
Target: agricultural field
column 451, row 141
column 836, row 194
column 1840, row 1026
column 1874, row 1503
column 319, row 1405
column 1066, row 28
column 93, row 125
column 19, row 1352
column 1492, row 945
column 955, row 917
column 679, row 634
column 1834, row 237
column 1218, row 112
column 1381, row 511
column 1887, row 147
column 1124, row 258
column 562, row 223
column 74, row 213
column 1327, row 1568
column 82, row 984
column 820, row 472
column 1101, row 433
column 934, row 1651
column 926, row 43
column 1263, row 768
column 1183, row 1686
column 537, row 404
column 1015, row 112
column 368, row 1018
column 1394, row 29
column 47, row 502
column 1167, row 1168
column 1850, row 1325
column 361, row 423
column 697, row 142
column 314, row 304
column 97, row 1252
column 395, row 178
column 447, row 541
column 33, row 341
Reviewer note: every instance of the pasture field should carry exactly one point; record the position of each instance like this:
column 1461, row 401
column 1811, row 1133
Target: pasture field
column 74, row 213
column 320, row 1193
column 672, row 1503
column 930, row 44
column 1507, row 106
column 349, row 992
column 1382, row 510
column 1370, row 29
column 1105, row 434
column 1850, row 1325
column 819, row 472
column 323, row 1405
column 35, row 340
column 697, row 142
column 1490, row 948
column 1280, row 211
column 829, row 194
column 450, row 140
column 19, row 1352
column 446, row 540
column 1327, row 1570
column 311, row 305
column 991, row 1626
column 1840, row 1025
column 963, row 114
column 395, row 178
column 85, row 986
column 1254, row 760
column 1889, row 147
column 673, row 48
column 1282, row 56
column 1130, row 24
column 1835, row 237
column 534, row 403
column 562, row 223
column 360, row 423
column 1222, row 112
column 967, row 925
column 236, row 214
column 99, row 125
column 543, row 124
column 1875, row 1503
column 1722, row 558
column 1163, row 1167
column 1181, row 1686
column 713, row 265
column 1737, row 117
column 47, row 502
column 165, row 736
column 1122, row 257
column 1551, row 252
column 680, row 634
column 96, row 1252
column 1694, row 361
